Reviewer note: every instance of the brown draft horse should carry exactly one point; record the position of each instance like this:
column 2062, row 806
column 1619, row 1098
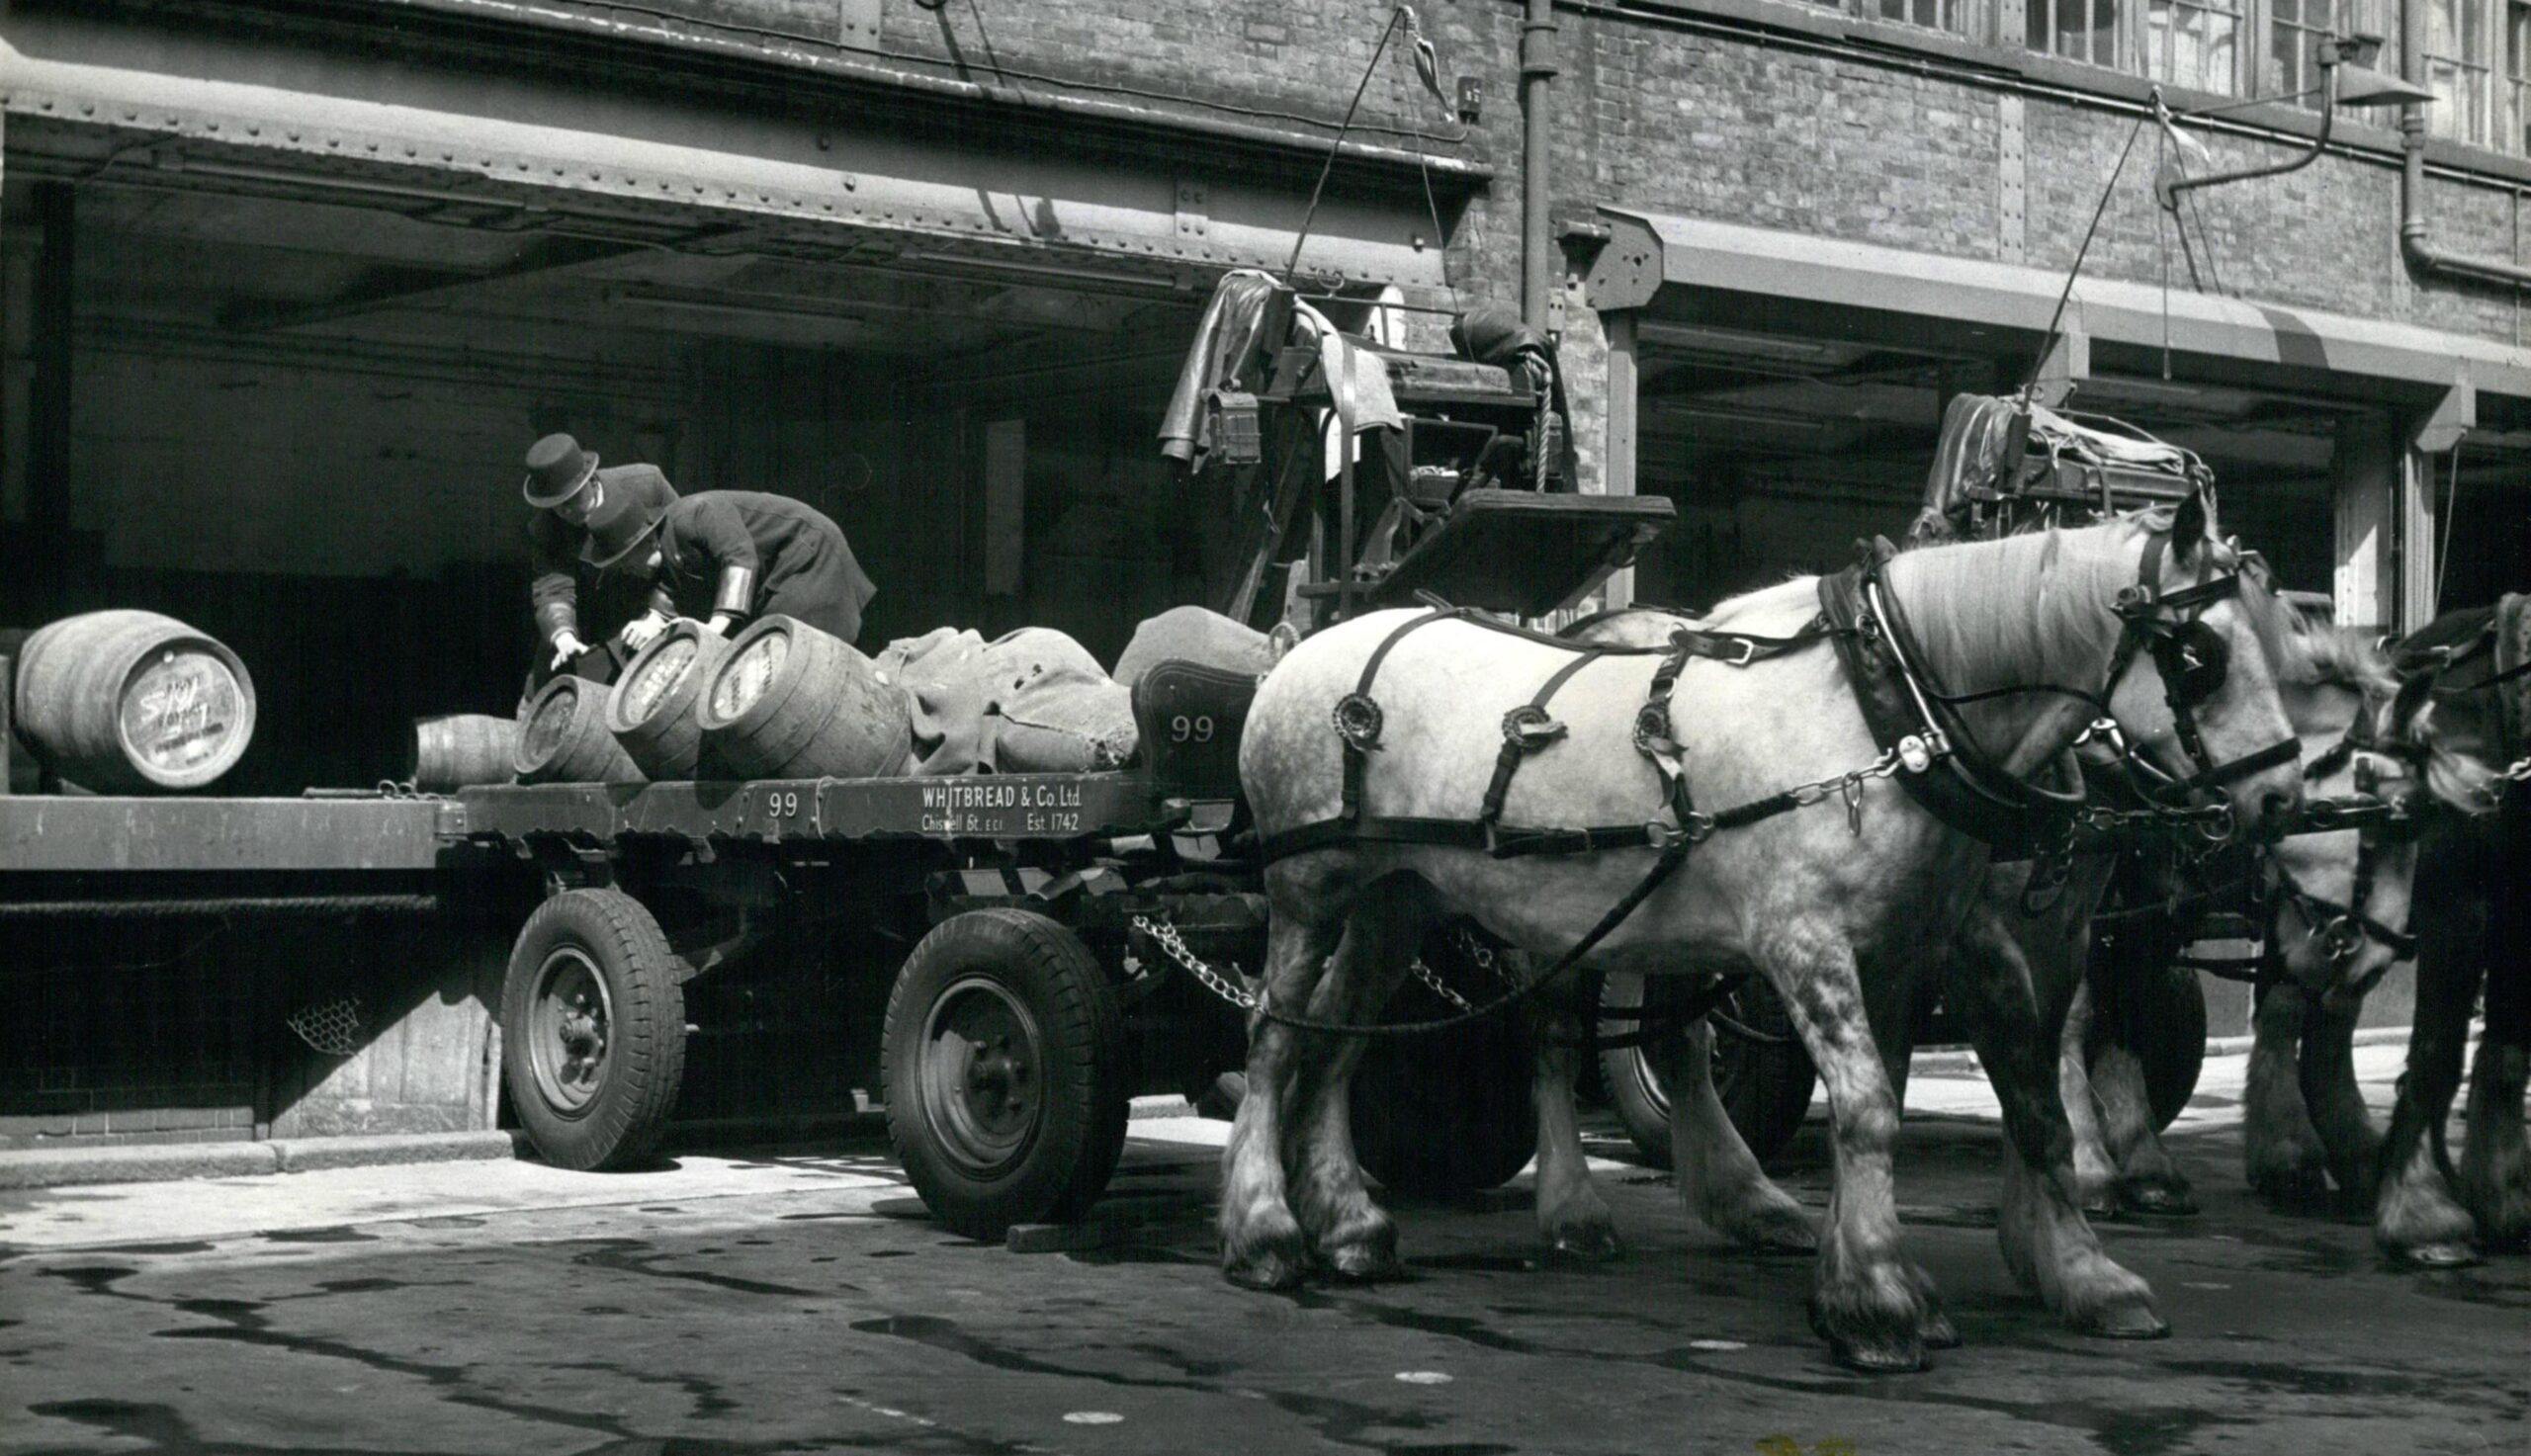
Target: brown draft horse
column 2469, row 725
column 1838, row 911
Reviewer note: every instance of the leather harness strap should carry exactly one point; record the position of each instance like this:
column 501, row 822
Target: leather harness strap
column 1526, row 730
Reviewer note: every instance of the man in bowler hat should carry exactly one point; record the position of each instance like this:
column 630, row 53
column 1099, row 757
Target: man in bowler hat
column 721, row 557
column 587, row 515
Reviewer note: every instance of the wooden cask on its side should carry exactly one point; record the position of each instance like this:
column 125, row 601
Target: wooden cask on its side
column 655, row 710
column 455, row 749
column 133, row 702
column 562, row 737
column 791, row 702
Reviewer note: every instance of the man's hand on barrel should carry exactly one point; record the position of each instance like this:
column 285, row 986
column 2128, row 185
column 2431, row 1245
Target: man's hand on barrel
column 643, row 629
column 566, row 645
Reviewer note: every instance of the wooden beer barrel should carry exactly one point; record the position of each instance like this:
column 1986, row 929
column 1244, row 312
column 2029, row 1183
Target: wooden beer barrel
column 791, row 702
column 562, row 737
column 653, row 711
column 455, row 749
column 133, row 702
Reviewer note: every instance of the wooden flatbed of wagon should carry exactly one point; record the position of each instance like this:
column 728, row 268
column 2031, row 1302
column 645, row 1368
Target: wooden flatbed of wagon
column 982, row 927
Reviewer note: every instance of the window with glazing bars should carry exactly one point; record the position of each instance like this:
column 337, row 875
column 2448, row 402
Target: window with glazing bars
column 2295, row 29
column 2194, row 43
column 2517, row 78
column 2458, row 69
column 2075, row 29
column 1933, row 15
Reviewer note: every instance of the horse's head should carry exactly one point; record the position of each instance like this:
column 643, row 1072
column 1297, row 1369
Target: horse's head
column 2445, row 718
column 2196, row 687
column 2342, row 894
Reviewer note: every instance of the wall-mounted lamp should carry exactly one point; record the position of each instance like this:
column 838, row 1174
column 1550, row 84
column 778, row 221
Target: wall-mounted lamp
column 2347, row 78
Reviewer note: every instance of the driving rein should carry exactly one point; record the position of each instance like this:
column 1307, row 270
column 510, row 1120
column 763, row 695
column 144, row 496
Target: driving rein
column 1914, row 723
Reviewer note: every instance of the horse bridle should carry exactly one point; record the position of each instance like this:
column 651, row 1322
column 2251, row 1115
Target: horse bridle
column 2341, row 929
column 2190, row 658
column 2426, row 684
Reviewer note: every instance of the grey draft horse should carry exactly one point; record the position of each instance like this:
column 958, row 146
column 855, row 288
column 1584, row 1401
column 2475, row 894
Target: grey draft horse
column 2306, row 1126
column 1837, row 911
column 2304, row 1119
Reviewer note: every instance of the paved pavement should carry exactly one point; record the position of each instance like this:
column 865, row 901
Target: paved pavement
column 799, row 1301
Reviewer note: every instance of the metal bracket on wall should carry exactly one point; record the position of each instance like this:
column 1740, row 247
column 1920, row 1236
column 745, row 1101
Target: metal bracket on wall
column 859, row 22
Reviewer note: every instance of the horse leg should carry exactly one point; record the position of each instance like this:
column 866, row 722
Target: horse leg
column 2495, row 1163
column 2352, row 1144
column 1573, row 1217
column 1871, row 1303
column 2012, row 1008
column 1262, row 1246
column 2416, row 1216
column 2095, row 1177
column 2281, row 1151
column 1354, row 1235
column 1719, row 1179
column 2149, row 1181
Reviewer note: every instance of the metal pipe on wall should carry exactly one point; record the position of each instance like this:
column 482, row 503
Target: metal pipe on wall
column 2420, row 248
column 1537, row 70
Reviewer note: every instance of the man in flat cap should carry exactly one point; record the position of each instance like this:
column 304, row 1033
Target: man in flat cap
column 588, row 516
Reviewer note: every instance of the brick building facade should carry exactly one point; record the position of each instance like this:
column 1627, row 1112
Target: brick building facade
column 289, row 286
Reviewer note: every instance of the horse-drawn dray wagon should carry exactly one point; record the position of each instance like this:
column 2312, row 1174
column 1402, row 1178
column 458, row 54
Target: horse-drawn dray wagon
column 1003, row 960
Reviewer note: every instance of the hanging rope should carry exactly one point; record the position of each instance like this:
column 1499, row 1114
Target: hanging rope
column 2047, row 342
column 2451, row 508
column 1293, row 263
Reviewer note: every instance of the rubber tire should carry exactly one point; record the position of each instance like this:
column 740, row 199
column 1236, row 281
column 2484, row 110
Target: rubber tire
column 2163, row 1019
column 1449, row 1113
column 1765, row 1087
column 645, row 1042
column 1071, row 1150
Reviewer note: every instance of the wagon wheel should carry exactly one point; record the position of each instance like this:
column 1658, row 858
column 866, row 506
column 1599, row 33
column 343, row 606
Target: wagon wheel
column 1450, row 1112
column 593, row 1029
column 1764, row 1084
column 1004, row 1060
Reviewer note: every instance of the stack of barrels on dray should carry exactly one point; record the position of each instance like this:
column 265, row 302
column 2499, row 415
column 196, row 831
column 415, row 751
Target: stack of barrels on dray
column 782, row 700
column 127, row 702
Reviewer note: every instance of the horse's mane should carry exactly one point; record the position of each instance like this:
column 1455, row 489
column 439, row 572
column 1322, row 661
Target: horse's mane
column 2321, row 655
column 2053, row 585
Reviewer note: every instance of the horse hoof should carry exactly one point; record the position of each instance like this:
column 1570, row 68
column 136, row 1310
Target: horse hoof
column 2157, row 1200
column 1273, row 1265
column 1883, row 1341
column 1880, row 1358
column 1938, row 1332
column 2439, row 1255
column 1593, row 1243
column 2125, row 1322
column 1364, row 1263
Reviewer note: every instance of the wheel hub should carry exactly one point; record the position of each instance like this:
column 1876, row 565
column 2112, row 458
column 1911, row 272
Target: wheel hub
column 568, row 1032
column 980, row 1070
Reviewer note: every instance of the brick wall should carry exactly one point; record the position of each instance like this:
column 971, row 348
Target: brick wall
column 1763, row 128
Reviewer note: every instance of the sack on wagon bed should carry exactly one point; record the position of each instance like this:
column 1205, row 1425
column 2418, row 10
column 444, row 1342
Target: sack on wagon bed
column 1033, row 701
